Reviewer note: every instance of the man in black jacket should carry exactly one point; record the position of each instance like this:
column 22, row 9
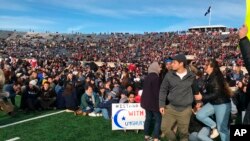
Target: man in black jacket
column 245, row 50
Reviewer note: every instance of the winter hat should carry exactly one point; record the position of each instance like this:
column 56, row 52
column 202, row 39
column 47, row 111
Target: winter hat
column 154, row 68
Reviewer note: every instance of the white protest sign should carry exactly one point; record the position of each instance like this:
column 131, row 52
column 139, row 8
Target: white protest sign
column 127, row 116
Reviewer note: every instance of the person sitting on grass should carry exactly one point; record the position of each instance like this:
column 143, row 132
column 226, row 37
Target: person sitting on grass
column 59, row 89
column 70, row 97
column 89, row 102
column 102, row 94
column 106, row 106
column 47, row 97
column 198, row 131
column 30, row 93
column 124, row 98
column 131, row 97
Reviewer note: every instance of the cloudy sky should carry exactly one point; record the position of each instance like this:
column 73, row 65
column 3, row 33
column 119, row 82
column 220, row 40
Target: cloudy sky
column 135, row 16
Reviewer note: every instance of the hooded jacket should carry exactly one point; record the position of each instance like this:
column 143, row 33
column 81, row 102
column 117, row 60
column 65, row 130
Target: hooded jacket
column 151, row 87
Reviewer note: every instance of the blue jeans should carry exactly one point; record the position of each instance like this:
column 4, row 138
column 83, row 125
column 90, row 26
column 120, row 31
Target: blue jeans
column 202, row 135
column 97, row 110
column 157, row 126
column 222, row 113
column 91, row 109
column 105, row 113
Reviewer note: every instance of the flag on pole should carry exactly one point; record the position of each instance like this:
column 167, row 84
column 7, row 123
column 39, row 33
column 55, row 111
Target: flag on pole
column 247, row 21
column 208, row 11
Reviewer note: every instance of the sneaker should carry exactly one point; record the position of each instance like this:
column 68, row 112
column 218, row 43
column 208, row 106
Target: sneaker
column 99, row 114
column 214, row 134
column 92, row 114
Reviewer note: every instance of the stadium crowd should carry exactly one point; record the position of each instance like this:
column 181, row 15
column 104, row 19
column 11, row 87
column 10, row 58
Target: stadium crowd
column 60, row 72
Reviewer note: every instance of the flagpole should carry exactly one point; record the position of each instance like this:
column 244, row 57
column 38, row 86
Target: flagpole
column 209, row 20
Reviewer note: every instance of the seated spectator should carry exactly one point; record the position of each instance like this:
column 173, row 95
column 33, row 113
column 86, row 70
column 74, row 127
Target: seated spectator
column 70, row 97
column 47, row 97
column 124, row 98
column 102, row 94
column 131, row 97
column 198, row 131
column 106, row 106
column 60, row 102
column 90, row 101
column 116, row 90
column 239, row 99
column 237, row 73
column 12, row 89
column 29, row 97
column 79, row 90
column 129, row 88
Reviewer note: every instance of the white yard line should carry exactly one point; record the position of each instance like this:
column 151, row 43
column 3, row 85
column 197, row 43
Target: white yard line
column 26, row 120
column 14, row 139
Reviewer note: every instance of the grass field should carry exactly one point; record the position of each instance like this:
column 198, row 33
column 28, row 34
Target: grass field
column 62, row 127
column 67, row 127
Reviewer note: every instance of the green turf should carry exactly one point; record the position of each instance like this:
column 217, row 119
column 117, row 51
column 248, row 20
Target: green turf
column 67, row 127
column 20, row 115
column 63, row 127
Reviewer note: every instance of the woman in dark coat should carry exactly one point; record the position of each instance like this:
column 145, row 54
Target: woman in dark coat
column 150, row 99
